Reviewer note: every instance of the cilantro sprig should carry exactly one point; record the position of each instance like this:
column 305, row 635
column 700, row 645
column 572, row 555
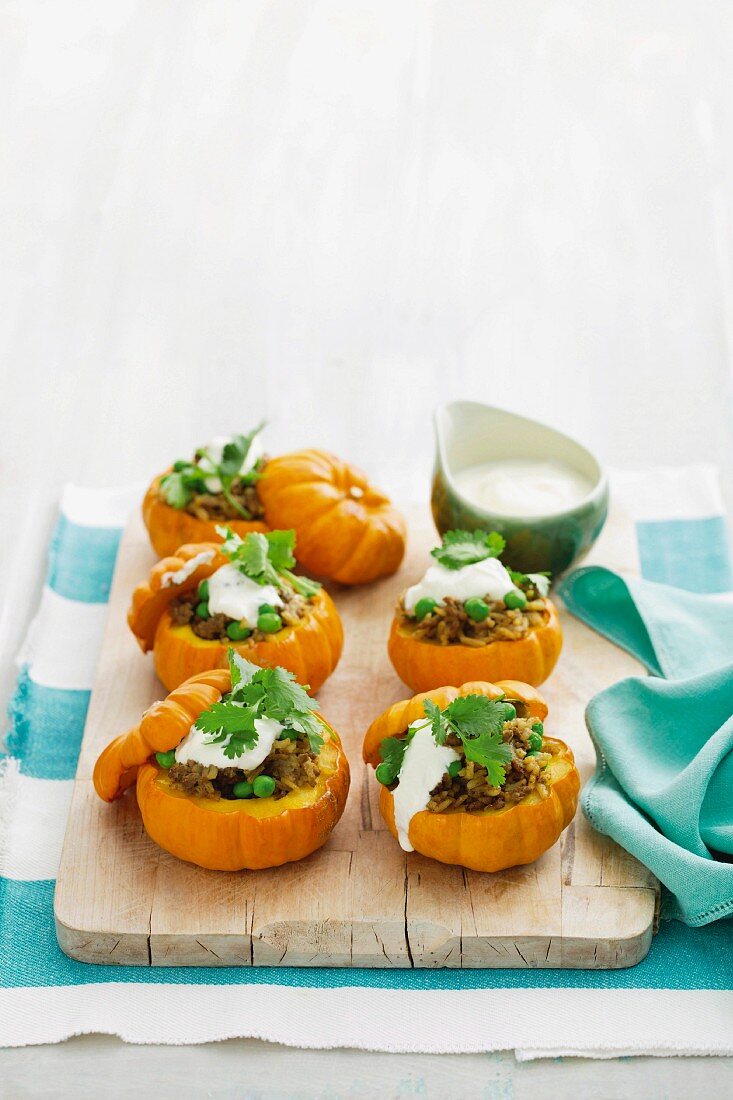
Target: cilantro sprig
column 266, row 558
column 476, row 720
column 188, row 479
column 259, row 693
column 461, row 548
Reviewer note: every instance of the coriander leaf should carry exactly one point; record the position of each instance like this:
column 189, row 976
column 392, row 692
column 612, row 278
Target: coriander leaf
column 232, row 457
column 245, row 441
column 285, row 696
column 437, row 721
column 266, row 559
column 180, row 485
column 312, row 728
column 472, row 715
column 229, row 720
column 304, row 586
column 175, row 490
column 491, row 751
column 392, row 751
column 461, row 548
column 253, row 692
column 280, row 549
column 241, row 670
column 250, row 555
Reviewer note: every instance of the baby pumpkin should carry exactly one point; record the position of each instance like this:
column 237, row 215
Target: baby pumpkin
column 228, row 835
column 310, row 648
column 491, row 839
column 423, row 665
column 347, row 530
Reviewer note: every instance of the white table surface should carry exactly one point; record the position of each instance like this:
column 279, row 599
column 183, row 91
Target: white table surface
column 336, row 215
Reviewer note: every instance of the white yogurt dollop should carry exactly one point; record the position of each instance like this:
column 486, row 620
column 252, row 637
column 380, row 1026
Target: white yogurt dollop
column 195, row 746
column 212, row 458
column 178, row 576
column 482, row 578
column 423, row 766
column 234, row 594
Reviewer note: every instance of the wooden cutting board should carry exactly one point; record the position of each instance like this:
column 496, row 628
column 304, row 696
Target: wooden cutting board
column 360, row 900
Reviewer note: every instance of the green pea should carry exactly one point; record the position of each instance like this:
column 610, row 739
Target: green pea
column 269, row 622
column 383, row 773
column 202, row 610
column 263, row 786
column 454, row 767
column 203, row 591
column 515, row 599
column 537, row 727
column 477, row 609
column 424, row 607
column 166, row 759
column 243, row 789
column 535, row 742
column 510, row 712
column 238, row 631
column 266, row 609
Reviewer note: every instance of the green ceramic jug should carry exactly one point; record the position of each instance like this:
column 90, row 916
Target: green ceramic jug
column 468, row 433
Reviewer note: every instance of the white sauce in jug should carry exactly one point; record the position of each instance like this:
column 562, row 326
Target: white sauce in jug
column 523, row 487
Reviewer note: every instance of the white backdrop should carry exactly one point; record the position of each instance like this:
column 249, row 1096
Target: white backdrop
column 335, row 214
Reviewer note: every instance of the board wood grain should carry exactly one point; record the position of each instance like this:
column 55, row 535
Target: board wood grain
column 360, row 900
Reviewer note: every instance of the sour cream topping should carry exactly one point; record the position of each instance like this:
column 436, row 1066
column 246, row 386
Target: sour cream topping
column 423, row 766
column 212, row 458
column 238, row 596
column 178, row 576
column 481, row 578
column 195, row 746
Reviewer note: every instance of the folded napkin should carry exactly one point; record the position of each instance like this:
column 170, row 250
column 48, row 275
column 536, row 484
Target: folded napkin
column 663, row 787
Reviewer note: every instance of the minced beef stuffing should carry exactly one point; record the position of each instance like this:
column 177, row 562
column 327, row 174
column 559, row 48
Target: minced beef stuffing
column 183, row 613
column 470, row 790
column 291, row 764
column 216, row 507
column 449, row 624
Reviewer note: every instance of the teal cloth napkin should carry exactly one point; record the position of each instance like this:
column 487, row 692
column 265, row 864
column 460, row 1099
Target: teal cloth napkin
column 663, row 787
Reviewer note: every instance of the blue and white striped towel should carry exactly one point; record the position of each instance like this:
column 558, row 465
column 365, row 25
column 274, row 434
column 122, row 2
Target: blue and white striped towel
column 677, row 1000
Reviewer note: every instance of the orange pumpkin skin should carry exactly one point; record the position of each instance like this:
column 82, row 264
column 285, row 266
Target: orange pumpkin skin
column 152, row 597
column 345, row 529
column 224, row 837
column 170, row 527
column 495, row 839
column 424, row 665
column 310, row 650
column 161, row 727
column 203, row 831
column 395, row 719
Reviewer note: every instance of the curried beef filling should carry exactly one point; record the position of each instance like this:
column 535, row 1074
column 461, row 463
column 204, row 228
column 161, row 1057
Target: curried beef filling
column 292, row 764
column 215, row 507
column 449, row 624
column 214, row 628
column 471, row 791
